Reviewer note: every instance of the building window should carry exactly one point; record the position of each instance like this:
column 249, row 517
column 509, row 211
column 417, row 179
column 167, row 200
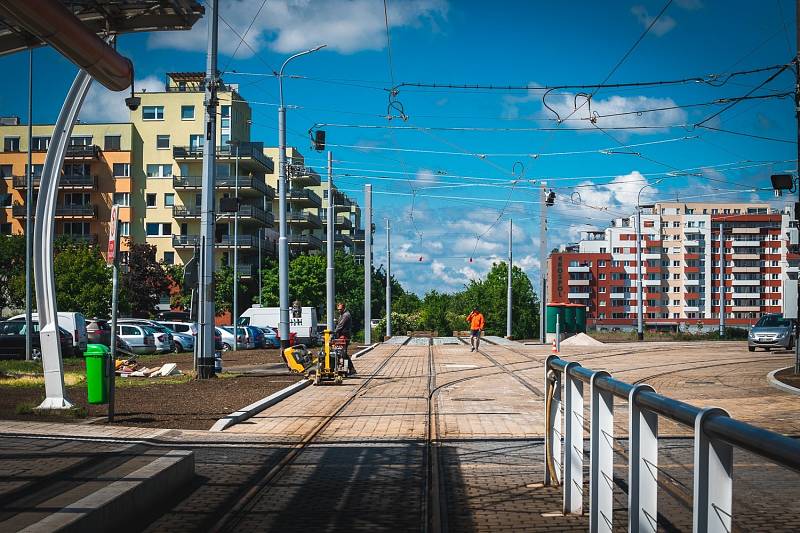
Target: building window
column 601, row 264
column 187, row 112
column 124, row 229
column 11, row 144
column 6, row 171
column 169, row 199
column 112, row 142
column 153, row 112
column 169, row 258
column 121, row 170
column 151, row 200
column 5, row 228
column 225, row 113
column 5, row 200
column 77, row 198
column 81, row 140
column 196, row 142
column 162, row 142
column 158, row 229
column 40, row 144
column 122, row 198
column 159, row 171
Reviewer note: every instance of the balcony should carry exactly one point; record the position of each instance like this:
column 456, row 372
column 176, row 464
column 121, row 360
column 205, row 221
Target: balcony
column 748, row 295
column 339, row 240
column 746, row 269
column 75, row 182
column 691, row 309
column 243, row 242
column 303, row 220
column 743, row 257
column 248, row 185
column 180, row 212
column 303, row 198
column 185, row 241
column 85, row 238
column 751, row 231
column 579, row 282
column 340, row 223
column 692, row 282
column 746, row 244
column 579, row 295
column 651, row 282
column 752, row 282
column 750, row 308
column 251, row 213
column 249, row 152
column 619, row 296
column 691, row 243
column 91, row 151
column 358, row 236
column 62, row 211
column 584, row 269
column 305, row 242
column 303, row 177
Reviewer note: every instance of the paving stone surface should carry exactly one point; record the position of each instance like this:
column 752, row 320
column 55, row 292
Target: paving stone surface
column 366, row 465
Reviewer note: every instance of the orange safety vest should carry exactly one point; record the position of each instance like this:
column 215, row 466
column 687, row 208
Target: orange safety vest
column 476, row 321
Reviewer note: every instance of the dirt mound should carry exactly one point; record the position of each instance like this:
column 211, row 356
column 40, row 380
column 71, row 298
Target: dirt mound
column 581, row 339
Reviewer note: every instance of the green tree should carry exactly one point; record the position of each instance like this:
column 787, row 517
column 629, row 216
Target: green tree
column 144, row 282
column 223, row 291
column 12, row 271
column 83, row 280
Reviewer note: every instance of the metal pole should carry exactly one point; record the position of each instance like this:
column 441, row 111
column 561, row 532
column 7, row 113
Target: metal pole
column 543, row 264
column 368, row 265
column 721, row 279
column 283, row 242
column 330, row 276
column 205, row 336
column 260, row 277
column 388, row 279
column 639, row 284
column 114, row 311
column 796, row 214
column 29, row 218
column 558, row 334
column 236, row 252
column 510, row 267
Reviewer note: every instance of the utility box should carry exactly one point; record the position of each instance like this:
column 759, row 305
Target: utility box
column 97, row 373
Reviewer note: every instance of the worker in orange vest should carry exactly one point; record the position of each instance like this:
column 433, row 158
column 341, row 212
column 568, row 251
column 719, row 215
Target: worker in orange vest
column 476, row 325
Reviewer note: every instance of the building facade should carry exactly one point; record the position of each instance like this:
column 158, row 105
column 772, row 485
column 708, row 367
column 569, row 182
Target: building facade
column 689, row 273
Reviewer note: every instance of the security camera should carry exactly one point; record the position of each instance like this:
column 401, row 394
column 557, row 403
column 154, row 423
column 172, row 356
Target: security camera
column 133, row 102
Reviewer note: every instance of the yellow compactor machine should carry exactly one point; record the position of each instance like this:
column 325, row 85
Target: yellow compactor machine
column 329, row 364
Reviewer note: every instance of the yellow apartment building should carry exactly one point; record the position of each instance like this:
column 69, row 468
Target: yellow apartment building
column 100, row 169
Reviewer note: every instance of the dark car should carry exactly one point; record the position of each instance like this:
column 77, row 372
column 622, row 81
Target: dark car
column 12, row 340
column 98, row 331
column 179, row 316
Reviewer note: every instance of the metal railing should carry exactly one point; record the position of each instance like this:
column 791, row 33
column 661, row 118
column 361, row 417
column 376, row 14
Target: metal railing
column 65, row 181
column 304, row 196
column 227, row 182
column 247, row 151
column 715, row 436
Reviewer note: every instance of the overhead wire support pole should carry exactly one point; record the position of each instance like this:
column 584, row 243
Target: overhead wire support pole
column 283, row 242
column 29, row 218
column 330, row 275
column 543, row 263
column 510, row 268
column 368, row 265
column 388, row 278
column 639, row 283
column 235, row 316
column 796, row 214
column 205, row 352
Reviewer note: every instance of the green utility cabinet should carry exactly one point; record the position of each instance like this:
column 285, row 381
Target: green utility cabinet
column 580, row 319
column 553, row 311
column 97, row 377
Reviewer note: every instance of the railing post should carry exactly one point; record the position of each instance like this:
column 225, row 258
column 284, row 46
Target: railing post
column 601, row 457
column 554, row 433
column 573, row 442
column 643, row 465
column 713, row 477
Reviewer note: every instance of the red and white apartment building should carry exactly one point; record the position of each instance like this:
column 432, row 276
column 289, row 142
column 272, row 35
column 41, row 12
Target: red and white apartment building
column 683, row 279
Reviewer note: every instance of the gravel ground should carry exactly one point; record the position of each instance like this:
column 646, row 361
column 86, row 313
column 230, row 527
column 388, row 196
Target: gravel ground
column 178, row 402
column 788, row 377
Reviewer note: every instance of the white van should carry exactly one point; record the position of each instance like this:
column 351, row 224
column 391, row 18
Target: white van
column 75, row 323
column 304, row 326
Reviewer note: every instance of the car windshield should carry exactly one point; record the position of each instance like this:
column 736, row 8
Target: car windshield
column 773, row 321
column 244, row 321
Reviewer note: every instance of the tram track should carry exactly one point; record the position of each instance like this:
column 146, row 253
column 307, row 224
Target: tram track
column 244, row 503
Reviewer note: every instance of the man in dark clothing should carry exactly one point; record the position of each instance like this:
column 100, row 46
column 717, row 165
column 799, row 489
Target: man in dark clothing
column 344, row 330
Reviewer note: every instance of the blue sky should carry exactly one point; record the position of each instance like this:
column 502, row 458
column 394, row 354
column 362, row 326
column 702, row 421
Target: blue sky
column 449, row 191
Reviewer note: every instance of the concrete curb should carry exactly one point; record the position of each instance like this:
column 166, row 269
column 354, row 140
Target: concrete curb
column 254, row 408
column 778, row 384
column 365, row 350
column 120, row 503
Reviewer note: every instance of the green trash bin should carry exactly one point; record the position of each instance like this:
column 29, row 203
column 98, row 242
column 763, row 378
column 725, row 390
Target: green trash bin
column 96, row 356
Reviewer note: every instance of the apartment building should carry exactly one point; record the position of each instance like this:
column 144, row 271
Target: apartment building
column 688, row 271
column 101, row 168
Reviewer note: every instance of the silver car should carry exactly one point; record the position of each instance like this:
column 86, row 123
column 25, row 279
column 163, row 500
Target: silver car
column 138, row 338
column 163, row 336
column 772, row 331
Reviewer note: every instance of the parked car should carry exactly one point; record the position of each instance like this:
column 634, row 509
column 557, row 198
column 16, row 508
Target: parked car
column 98, row 331
column 163, row 336
column 12, row 340
column 74, row 323
column 772, row 331
column 181, row 316
column 190, row 328
column 302, row 328
column 271, row 339
column 226, row 334
column 245, row 336
column 258, row 336
column 140, row 340
column 184, row 342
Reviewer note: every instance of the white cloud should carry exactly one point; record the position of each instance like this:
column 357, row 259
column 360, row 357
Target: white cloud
column 285, row 26
column 425, row 177
column 102, row 105
column 689, row 5
column 664, row 25
column 564, row 105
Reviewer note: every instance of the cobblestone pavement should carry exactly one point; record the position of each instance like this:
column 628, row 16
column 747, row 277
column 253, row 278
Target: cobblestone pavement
column 365, row 469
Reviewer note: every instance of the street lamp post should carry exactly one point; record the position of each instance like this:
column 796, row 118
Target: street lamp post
column 235, row 314
column 283, row 243
column 639, row 283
